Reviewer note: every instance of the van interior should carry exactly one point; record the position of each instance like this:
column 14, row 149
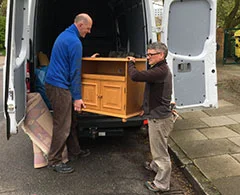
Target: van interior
column 118, row 29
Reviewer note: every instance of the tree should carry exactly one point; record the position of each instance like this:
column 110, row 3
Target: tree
column 3, row 7
column 228, row 13
column 2, row 31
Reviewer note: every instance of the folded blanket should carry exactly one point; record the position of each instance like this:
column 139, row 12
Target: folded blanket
column 38, row 126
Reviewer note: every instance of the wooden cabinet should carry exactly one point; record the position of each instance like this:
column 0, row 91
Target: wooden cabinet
column 107, row 88
column 107, row 96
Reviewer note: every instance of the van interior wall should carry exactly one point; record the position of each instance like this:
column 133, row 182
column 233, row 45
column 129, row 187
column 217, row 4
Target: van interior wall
column 118, row 25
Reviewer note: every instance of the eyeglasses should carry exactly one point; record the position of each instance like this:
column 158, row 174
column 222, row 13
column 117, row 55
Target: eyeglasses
column 152, row 54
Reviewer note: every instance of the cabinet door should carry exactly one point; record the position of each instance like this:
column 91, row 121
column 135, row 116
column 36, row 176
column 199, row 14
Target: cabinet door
column 90, row 93
column 113, row 97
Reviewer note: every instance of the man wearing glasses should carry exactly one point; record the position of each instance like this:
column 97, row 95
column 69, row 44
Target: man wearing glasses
column 156, row 108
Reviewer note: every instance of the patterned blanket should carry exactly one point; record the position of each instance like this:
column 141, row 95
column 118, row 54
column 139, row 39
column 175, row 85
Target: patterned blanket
column 38, row 126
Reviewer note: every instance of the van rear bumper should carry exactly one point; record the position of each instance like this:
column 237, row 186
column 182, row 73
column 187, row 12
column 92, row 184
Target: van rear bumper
column 94, row 125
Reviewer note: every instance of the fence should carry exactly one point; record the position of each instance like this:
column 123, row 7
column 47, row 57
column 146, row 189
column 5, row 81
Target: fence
column 231, row 47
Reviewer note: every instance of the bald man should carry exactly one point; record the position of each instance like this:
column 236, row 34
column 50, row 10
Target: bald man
column 63, row 89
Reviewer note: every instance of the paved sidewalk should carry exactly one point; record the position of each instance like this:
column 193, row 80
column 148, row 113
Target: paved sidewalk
column 207, row 144
column 2, row 61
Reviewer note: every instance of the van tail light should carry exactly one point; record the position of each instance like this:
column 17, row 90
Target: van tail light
column 28, row 76
column 145, row 122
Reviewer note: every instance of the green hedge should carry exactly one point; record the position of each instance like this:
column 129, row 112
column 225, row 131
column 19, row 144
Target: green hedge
column 2, row 32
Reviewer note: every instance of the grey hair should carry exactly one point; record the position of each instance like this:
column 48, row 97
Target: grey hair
column 159, row 46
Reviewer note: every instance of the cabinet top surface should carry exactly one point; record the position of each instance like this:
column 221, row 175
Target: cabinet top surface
column 111, row 59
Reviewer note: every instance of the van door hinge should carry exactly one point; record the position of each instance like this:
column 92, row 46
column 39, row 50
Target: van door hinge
column 11, row 107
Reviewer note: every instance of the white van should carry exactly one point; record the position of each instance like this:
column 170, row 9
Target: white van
column 119, row 26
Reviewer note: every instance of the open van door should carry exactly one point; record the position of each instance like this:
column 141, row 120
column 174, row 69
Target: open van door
column 14, row 82
column 189, row 30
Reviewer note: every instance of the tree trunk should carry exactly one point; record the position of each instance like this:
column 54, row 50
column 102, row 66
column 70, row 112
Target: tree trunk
column 231, row 21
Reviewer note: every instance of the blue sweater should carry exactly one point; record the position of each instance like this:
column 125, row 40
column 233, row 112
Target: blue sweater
column 64, row 69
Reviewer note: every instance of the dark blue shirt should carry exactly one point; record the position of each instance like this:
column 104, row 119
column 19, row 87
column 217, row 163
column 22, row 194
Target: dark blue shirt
column 64, row 69
column 158, row 89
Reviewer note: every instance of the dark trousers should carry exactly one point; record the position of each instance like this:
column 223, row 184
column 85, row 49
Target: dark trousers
column 72, row 140
column 61, row 102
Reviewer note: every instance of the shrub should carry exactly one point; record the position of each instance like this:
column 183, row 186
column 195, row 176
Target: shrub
column 2, row 32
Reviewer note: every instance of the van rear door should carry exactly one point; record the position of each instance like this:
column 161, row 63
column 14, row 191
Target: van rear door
column 17, row 40
column 189, row 30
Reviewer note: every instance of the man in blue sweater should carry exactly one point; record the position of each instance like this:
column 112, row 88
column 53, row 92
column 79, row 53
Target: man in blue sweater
column 63, row 88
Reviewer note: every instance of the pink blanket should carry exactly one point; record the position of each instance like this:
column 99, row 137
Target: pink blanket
column 38, row 126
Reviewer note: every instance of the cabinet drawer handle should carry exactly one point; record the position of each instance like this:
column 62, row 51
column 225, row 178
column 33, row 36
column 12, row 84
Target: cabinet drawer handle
column 99, row 96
